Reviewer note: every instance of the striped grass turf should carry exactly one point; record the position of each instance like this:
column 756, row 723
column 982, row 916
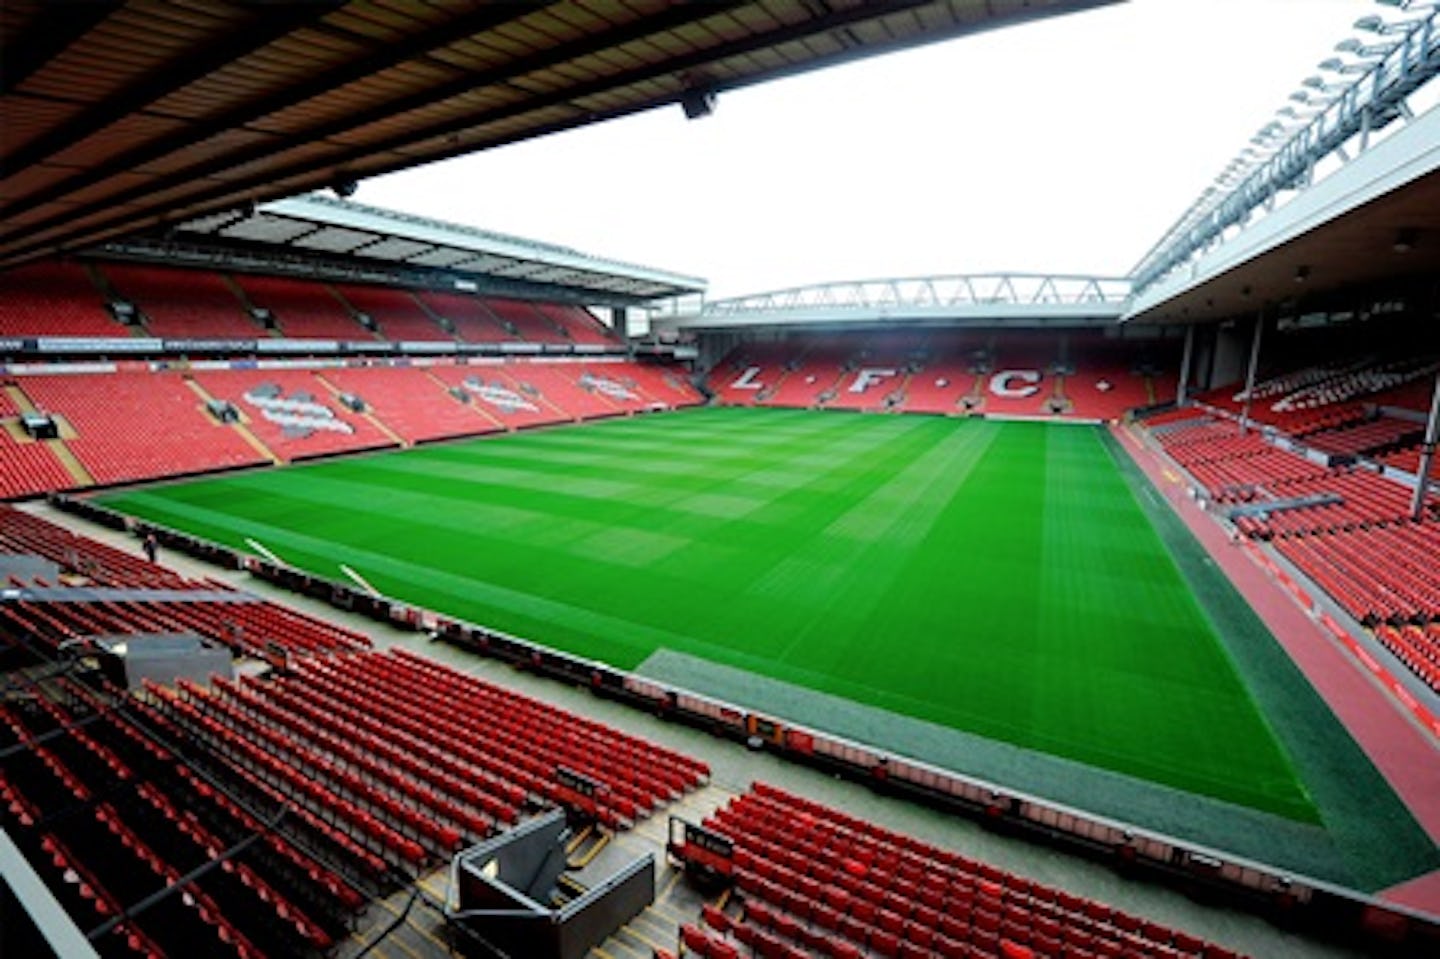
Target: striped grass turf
column 998, row 578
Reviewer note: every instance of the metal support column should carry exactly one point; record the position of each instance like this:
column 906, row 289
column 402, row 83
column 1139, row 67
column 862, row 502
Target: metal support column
column 1250, row 376
column 1182, row 388
column 1427, row 452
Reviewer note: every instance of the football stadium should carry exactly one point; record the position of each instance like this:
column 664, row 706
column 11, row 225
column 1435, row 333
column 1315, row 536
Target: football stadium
column 383, row 584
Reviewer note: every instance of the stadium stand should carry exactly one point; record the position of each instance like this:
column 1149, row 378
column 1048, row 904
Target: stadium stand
column 191, row 304
column 527, row 321
column 471, row 318
column 132, row 425
column 412, row 401
column 53, row 298
column 579, row 324
column 500, row 397
column 812, row 880
column 1015, row 375
column 396, row 313
column 302, row 309
column 98, row 563
column 293, row 412
column 27, row 466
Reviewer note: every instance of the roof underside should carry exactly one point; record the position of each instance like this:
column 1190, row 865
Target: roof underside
column 119, row 117
column 315, row 235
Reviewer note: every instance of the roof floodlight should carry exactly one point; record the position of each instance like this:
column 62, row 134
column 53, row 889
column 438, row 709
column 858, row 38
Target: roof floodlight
column 1374, row 24
column 1336, row 65
column 1409, row 4
column 1319, row 84
column 1354, row 47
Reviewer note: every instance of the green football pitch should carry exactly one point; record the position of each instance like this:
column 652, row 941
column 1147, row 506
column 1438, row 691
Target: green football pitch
column 997, row 578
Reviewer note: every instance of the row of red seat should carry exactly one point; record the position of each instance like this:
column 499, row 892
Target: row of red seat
column 1366, row 436
column 1015, row 375
column 256, row 629
column 99, row 563
column 1417, row 647
column 103, row 840
column 526, row 740
column 1385, row 574
column 138, row 425
column 814, row 880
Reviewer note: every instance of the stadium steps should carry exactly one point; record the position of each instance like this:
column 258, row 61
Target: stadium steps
column 240, row 426
column 245, row 301
column 57, row 447
column 71, row 462
column 368, row 414
column 102, row 283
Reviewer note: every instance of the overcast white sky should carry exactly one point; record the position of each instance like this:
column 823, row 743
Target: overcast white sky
column 1067, row 145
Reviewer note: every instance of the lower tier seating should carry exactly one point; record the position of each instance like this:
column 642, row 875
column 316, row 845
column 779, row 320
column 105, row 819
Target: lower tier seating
column 137, row 425
column 27, row 466
column 813, row 881
column 94, row 561
column 1382, row 574
column 109, row 817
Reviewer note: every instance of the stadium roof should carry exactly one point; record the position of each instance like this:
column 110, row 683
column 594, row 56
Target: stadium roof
column 314, row 232
column 1274, row 228
column 120, row 117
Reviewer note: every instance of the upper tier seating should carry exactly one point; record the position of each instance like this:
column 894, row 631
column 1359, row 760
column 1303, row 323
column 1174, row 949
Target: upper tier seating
column 137, row 425
column 302, row 309
column 53, row 299
column 396, row 313
column 579, row 322
column 815, row 881
column 472, row 319
column 293, row 412
column 183, row 303
column 527, row 321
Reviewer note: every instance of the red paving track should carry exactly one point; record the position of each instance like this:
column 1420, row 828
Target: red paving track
column 1405, row 756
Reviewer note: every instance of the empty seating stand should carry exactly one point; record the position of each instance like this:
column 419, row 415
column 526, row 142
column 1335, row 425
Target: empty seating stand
column 183, row 304
column 138, row 425
column 412, row 401
column 396, row 313
column 813, row 881
column 303, row 309
column 53, row 299
column 27, row 466
column 293, row 412
column 472, row 319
